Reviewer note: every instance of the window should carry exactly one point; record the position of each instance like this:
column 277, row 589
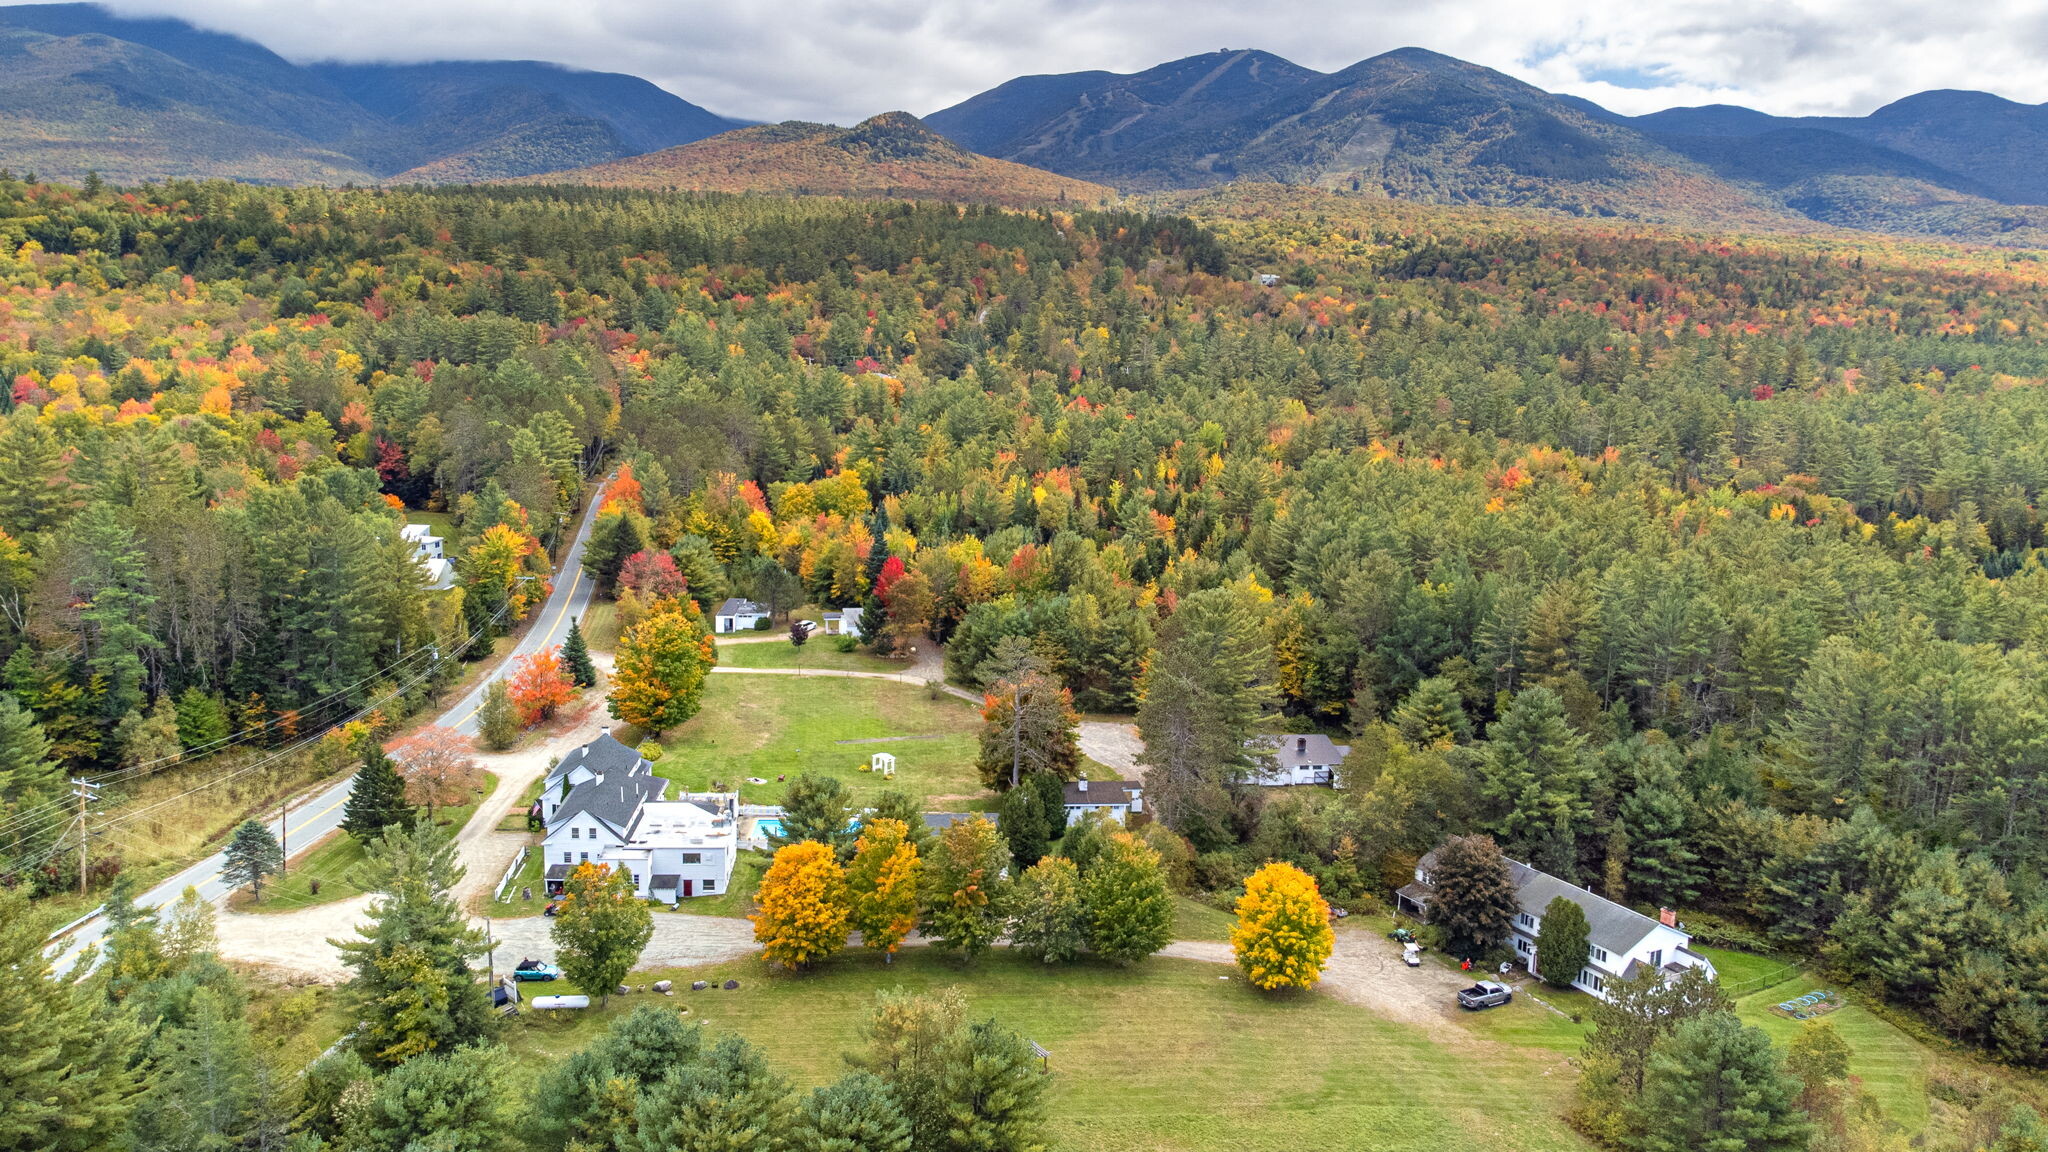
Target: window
column 1522, row 946
column 1591, row 979
column 575, row 833
column 711, row 885
column 1600, row 954
column 585, row 857
column 565, row 857
column 693, row 857
column 1525, row 920
column 1655, row 959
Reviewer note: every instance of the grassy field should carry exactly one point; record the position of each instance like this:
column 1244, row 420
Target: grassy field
column 1194, row 920
column 1165, row 1055
column 769, row 726
column 601, row 625
column 819, row 652
column 335, row 862
column 441, row 524
column 1892, row 1065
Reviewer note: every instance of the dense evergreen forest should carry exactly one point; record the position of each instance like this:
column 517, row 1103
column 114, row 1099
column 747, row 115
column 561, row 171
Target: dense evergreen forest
column 1705, row 572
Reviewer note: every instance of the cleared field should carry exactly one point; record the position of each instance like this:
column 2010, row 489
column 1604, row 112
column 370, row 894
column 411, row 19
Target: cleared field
column 769, row 726
column 818, row 653
column 1165, row 1055
column 335, row 863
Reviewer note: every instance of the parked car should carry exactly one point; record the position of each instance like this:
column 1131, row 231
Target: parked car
column 806, row 627
column 1485, row 994
column 535, row 970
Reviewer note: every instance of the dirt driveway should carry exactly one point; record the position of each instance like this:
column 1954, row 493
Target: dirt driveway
column 1112, row 744
column 1367, row 971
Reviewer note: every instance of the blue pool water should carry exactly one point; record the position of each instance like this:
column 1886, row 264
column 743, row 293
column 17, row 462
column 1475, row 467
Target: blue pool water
column 768, row 826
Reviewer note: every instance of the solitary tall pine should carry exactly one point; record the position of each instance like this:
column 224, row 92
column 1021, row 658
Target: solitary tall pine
column 576, row 658
column 378, row 799
column 253, row 854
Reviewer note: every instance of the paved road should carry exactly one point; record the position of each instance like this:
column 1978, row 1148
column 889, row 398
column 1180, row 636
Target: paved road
column 316, row 816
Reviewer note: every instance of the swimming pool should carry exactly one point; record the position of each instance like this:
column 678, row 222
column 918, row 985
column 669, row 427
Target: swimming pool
column 768, row 826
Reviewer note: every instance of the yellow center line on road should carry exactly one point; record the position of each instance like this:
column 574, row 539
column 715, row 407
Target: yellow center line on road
column 575, row 578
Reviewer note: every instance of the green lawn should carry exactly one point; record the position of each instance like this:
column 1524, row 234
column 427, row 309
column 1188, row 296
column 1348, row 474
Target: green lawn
column 1165, row 1055
column 531, row 875
column 738, row 898
column 769, row 726
column 1194, row 920
column 442, row 524
column 336, row 861
column 820, row 651
column 1892, row 1066
column 601, row 625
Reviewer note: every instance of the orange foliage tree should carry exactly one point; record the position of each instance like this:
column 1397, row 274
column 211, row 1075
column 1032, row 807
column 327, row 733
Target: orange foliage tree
column 540, row 685
column 803, row 903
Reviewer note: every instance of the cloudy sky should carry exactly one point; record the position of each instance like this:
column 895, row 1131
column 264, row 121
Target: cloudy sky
column 842, row 60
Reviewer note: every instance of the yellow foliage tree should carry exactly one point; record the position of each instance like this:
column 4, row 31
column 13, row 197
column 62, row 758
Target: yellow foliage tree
column 882, row 881
column 1282, row 938
column 803, row 905
column 658, row 680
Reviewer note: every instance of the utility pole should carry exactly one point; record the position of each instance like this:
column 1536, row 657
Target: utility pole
column 284, row 837
column 86, row 792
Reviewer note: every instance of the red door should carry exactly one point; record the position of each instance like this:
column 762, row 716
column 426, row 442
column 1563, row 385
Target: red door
column 687, row 886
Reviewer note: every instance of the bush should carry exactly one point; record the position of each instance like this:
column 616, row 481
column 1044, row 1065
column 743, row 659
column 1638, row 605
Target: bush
column 763, row 624
column 650, row 752
column 846, row 643
column 1219, row 870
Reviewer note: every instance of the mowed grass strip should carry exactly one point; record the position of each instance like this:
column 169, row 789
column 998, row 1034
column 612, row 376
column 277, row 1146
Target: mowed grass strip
column 769, row 726
column 337, row 860
column 1167, row 1055
column 1892, row 1065
column 819, row 653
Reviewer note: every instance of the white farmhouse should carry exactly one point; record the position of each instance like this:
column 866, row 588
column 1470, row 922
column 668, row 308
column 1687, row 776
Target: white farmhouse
column 737, row 615
column 1288, row 760
column 603, row 805
column 1119, row 798
column 427, row 553
column 1624, row 943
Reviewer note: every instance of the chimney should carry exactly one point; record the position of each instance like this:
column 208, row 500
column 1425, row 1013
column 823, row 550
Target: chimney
column 1301, row 746
column 1667, row 917
column 1082, row 783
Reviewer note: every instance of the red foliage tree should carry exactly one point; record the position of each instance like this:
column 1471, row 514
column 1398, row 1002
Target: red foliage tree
column 653, row 575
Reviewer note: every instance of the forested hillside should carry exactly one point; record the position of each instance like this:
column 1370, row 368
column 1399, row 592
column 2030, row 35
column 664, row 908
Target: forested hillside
column 1705, row 572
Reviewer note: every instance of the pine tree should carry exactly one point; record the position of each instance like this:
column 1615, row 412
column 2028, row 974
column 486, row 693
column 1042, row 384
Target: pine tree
column 2022, row 1131
column 1130, row 912
column 882, row 883
column 71, row 1077
column 253, row 854
column 1282, row 938
column 1027, row 726
column 111, row 584
column 576, row 658
column 601, row 927
column 572, row 1103
column 458, row 1102
column 1025, row 826
column 1205, row 689
column 1639, row 1013
column 413, row 986
column 857, row 1113
column 1472, row 898
column 1718, row 1085
column 728, row 1100
column 1663, row 868
column 803, row 906
column 376, row 800
column 497, row 720
column 964, row 888
column 1563, row 942
column 1433, row 715
column 994, row 1092
column 204, row 1085
column 818, row 808
column 1538, row 786
column 1048, row 919
column 190, row 932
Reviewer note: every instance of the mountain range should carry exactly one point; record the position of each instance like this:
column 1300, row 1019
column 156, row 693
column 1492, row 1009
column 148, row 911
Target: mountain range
column 1413, row 123
column 891, row 155
column 133, row 99
column 84, row 90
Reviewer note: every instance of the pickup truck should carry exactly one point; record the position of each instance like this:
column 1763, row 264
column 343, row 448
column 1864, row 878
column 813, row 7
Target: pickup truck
column 1485, row 994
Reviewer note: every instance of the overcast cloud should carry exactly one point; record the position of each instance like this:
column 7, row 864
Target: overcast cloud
column 842, row 60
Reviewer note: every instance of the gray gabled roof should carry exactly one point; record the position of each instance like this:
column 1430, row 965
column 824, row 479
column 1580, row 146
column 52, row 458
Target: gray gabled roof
column 1293, row 751
column 603, row 756
column 613, row 799
column 734, row 606
column 1102, row 792
column 1611, row 926
column 940, row 821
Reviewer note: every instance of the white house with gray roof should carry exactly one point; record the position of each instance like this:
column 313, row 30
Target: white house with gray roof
column 1289, row 760
column 602, row 804
column 737, row 615
column 1623, row 943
